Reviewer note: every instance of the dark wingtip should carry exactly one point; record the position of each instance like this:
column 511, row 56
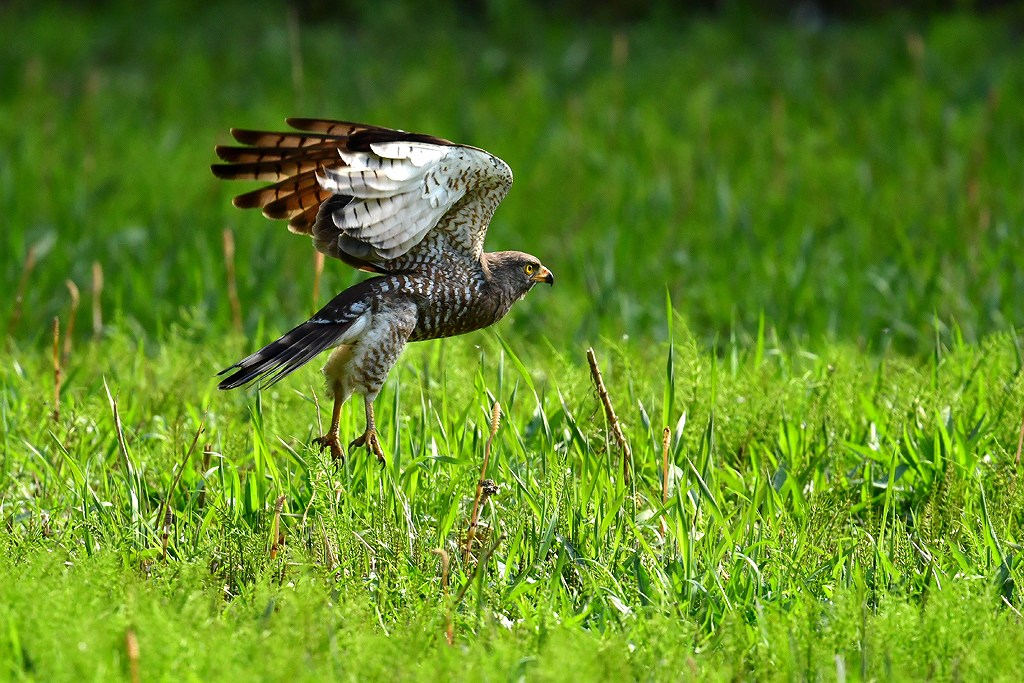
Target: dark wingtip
column 249, row 200
column 329, row 127
column 224, row 151
column 300, row 123
column 240, row 134
column 222, row 171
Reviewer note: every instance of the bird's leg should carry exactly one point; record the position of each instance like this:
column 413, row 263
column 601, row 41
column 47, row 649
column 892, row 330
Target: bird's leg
column 369, row 437
column 330, row 439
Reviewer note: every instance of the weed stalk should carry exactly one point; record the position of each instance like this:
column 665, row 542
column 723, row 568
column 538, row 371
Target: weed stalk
column 476, row 570
column 207, row 453
column 97, row 303
column 276, row 538
column 484, row 487
column 27, row 267
column 318, row 270
column 72, row 314
column 609, row 411
column 165, row 536
column 131, row 646
column 229, row 267
column 449, row 628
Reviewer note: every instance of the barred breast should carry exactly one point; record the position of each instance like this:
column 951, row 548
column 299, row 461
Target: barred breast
column 456, row 305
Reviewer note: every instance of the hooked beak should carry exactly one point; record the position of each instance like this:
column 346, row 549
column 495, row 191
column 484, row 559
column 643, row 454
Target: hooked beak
column 544, row 275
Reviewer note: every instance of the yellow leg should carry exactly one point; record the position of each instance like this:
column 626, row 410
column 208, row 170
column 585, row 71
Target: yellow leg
column 369, row 437
column 330, row 439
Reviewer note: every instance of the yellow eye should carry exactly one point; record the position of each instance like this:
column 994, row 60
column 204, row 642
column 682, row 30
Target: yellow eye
column 528, row 269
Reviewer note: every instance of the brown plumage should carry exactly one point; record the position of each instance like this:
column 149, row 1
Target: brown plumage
column 411, row 208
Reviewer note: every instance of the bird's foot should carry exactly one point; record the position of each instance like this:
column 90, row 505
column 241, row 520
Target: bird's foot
column 369, row 439
column 330, row 440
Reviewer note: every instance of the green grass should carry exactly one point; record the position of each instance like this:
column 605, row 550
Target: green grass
column 820, row 507
column 834, row 214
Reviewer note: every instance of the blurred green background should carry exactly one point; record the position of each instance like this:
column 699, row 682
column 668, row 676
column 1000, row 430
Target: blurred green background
column 852, row 176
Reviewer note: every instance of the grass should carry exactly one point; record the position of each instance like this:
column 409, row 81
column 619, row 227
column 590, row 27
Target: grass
column 832, row 214
column 818, row 507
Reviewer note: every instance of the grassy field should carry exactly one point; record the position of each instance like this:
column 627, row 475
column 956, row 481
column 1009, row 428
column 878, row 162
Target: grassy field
column 794, row 246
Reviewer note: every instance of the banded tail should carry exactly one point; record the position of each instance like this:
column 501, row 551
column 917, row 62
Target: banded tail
column 341, row 321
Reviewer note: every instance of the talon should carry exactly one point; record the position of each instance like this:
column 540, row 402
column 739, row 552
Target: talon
column 374, row 445
column 330, row 441
column 368, row 439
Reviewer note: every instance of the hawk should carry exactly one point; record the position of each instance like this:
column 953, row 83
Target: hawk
column 413, row 210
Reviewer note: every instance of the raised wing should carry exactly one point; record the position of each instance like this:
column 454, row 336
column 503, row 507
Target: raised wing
column 370, row 195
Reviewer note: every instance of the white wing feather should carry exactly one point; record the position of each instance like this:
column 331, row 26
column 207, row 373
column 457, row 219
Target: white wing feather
column 401, row 190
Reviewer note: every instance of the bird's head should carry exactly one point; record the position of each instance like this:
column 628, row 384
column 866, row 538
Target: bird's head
column 516, row 273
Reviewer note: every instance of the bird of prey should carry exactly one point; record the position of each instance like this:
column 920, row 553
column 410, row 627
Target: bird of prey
column 413, row 210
